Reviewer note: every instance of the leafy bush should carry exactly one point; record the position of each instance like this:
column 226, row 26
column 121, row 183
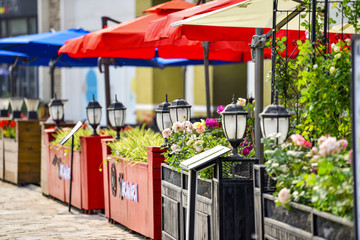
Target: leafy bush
column 320, row 177
column 133, row 143
column 60, row 134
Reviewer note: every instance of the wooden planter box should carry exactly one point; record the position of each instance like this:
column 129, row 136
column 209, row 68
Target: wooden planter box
column 20, row 157
column 47, row 132
column 224, row 207
column 87, row 180
column 300, row 222
column 132, row 192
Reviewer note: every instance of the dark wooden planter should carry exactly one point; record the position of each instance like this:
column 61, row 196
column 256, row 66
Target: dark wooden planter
column 20, row 157
column 87, row 180
column 298, row 222
column 143, row 213
column 224, row 207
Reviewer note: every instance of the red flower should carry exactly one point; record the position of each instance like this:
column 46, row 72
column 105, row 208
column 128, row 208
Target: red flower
column 12, row 124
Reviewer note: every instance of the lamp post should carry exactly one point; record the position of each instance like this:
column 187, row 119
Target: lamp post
column 117, row 115
column 32, row 105
column 16, row 104
column 93, row 113
column 180, row 111
column 4, row 106
column 234, row 119
column 56, row 109
column 163, row 117
column 275, row 122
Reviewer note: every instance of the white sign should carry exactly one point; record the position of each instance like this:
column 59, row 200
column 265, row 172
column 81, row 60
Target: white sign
column 129, row 191
column 64, row 171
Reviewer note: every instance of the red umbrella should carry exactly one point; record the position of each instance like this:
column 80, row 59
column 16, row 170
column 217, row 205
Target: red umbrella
column 126, row 40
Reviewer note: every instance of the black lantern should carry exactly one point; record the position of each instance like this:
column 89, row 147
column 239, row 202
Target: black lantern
column 234, row 119
column 180, row 111
column 56, row 109
column 4, row 106
column 16, row 104
column 275, row 122
column 163, row 115
column 93, row 113
column 32, row 106
column 117, row 115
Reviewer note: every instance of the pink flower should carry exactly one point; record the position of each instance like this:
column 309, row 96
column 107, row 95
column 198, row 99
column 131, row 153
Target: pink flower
column 178, row 127
column 200, row 129
column 211, row 122
column 350, row 156
column 220, row 109
column 300, row 141
column 175, row 148
column 188, row 127
column 166, row 132
column 343, row 143
column 284, row 195
column 329, row 147
column 322, row 139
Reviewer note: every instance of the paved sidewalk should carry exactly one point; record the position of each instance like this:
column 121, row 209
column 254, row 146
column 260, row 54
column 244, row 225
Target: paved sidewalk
column 26, row 214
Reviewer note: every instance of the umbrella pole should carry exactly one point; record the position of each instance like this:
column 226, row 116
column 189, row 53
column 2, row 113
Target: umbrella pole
column 259, row 96
column 205, row 46
column 52, row 65
column 12, row 77
column 106, row 63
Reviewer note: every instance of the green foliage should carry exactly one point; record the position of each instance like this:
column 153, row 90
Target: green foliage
column 60, row 134
column 320, row 177
column 191, row 139
column 133, row 143
column 324, row 83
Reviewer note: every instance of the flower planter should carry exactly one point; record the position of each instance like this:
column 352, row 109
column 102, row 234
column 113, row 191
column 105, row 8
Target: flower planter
column 87, row 180
column 47, row 132
column 21, row 156
column 132, row 192
column 298, row 222
column 224, row 207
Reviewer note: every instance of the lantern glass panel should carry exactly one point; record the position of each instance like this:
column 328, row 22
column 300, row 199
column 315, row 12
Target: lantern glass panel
column 94, row 115
column 163, row 121
column 272, row 126
column 56, row 112
column 4, row 103
column 111, row 118
column 119, row 117
column 179, row 114
column 32, row 104
column 16, row 104
column 229, row 123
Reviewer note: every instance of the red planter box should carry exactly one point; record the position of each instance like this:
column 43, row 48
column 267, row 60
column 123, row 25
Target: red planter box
column 133, row 191
column 87, row 180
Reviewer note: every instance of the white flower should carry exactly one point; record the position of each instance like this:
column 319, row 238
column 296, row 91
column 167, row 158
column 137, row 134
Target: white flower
column 338, row 56
column 315, row 66
column 178, row 127
column 348, row 41
column 241, row 102
column 332, row 70
column 284, row 195
column 336, row 49
column 175, row 148
column 333, row 45
column 166, row 132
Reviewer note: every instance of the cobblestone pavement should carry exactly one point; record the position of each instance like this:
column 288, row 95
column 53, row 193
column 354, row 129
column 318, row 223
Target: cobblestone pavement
column 26, row 214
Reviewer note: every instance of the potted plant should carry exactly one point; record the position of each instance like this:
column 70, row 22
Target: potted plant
column 223, row 211
column 20, row 151
column 132, row 180
column 314, row 189
column 87, row 181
